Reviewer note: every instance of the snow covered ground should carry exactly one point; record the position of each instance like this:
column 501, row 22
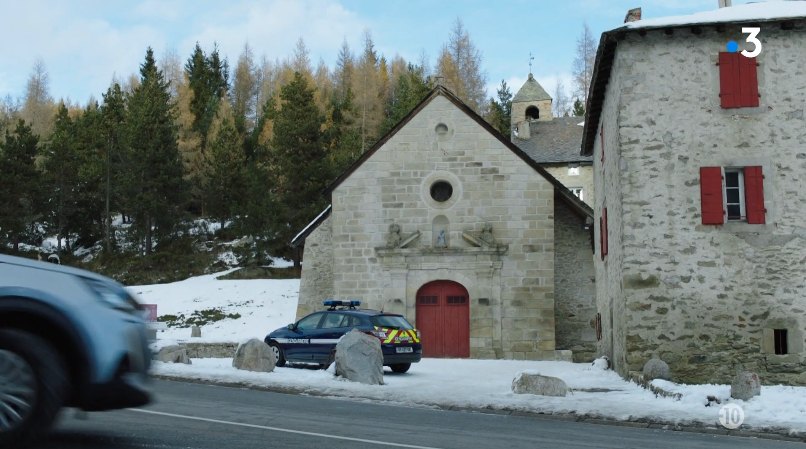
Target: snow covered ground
column 268, row 304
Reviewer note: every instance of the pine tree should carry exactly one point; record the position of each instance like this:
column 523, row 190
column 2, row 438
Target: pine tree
column 20, row 191
column 61, row 176
column 225, row 179
column 299, row 159
column 410, row 88
column 500, row 110
column 579, row 108
column 153, row 180
column 89, row 141
column 208, row 78
column 113, row 122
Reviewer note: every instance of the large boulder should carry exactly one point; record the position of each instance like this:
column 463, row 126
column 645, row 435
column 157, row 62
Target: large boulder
column 745, row 385
column 359, row 358
column 172, row 354
column 254, row 355
column 533, row 383
column 656, row 368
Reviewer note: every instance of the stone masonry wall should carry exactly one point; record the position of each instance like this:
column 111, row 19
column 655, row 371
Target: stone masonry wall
column 610, row 301
column 515, row 316
column 316, row 284
column 574, row 285
column 584, row 180
column 706, row 298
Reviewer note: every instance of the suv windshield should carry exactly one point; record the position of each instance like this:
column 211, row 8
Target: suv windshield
column 390, row 321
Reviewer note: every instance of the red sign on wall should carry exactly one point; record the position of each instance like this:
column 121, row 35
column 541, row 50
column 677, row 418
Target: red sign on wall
column 150, row 312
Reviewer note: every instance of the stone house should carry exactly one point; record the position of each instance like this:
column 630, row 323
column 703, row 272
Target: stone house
column 552, row 142
column 699, row 169
column 447, row 222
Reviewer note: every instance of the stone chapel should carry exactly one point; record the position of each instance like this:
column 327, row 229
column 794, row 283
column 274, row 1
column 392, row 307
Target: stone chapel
column 453, row 225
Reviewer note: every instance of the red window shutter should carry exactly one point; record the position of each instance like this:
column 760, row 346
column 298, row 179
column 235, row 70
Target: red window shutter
column 603, row 233
column 729, row 79
column 711, row 195
column 748, row 82
column 601, row 139
column 754, row 195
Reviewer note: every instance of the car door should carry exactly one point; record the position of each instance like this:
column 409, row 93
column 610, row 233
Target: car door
column 297, row 347
column 324, row 339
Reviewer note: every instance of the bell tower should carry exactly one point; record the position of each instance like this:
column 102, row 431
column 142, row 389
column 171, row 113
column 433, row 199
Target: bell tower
column 530, row 104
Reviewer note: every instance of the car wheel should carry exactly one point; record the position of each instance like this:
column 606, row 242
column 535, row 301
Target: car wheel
column 279, row 358
column 33, row 386
column 400, row 367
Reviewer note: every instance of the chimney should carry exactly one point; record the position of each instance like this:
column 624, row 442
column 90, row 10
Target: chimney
column 634, row 15
column 724, row 3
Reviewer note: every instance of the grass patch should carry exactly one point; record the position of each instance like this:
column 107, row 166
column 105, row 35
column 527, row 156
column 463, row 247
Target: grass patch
column 198, row 318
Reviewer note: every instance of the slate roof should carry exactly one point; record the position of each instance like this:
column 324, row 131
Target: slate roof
column 531, row 91
column 554, row 141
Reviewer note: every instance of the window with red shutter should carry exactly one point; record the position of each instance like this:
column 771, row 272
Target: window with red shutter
column 738, row 81
column 603, row 233
column 711, row 195
column 601, row 140
column 754, row 195
column 732, row 194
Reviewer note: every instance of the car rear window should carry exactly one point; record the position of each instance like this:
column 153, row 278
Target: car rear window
column 390, row 321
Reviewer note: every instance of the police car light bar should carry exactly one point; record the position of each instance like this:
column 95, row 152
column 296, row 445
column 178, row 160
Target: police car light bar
column 333, row 303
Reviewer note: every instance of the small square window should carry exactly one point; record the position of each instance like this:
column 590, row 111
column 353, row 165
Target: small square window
column 780, row 341
column 573, row 170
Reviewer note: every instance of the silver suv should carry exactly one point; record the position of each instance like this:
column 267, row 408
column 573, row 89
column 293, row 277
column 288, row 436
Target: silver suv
column 68, row 337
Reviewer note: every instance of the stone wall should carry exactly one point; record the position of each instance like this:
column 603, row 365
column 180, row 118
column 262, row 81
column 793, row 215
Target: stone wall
column 705, row 298
column 491, row 184
column 584, row 179
column 574, row 284
column 316, row 283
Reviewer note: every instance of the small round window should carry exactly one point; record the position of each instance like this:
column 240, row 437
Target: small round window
column 441, row 191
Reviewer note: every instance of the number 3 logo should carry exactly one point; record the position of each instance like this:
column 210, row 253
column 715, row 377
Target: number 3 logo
column 752, row 38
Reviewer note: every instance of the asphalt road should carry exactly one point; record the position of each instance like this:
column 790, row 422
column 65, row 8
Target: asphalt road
column 187, row 415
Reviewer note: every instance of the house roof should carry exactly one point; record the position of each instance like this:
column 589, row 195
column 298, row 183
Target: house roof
column 576, row 205
column 531, row 91
column 554, row 141
column 785, row 13
column 299, row 238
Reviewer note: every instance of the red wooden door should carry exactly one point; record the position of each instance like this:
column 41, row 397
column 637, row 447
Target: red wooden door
column 443, row 318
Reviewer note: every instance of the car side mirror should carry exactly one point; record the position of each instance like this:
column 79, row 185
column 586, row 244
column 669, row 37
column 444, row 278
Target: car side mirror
column 292, row 326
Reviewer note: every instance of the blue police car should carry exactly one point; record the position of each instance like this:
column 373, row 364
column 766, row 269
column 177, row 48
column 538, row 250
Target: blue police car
column 313, row 338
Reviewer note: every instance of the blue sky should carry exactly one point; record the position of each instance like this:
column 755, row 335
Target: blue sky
column 85, row 43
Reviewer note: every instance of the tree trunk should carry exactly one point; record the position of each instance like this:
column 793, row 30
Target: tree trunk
column 108, row 219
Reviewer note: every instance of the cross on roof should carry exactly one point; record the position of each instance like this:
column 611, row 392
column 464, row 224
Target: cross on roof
column 531, row 58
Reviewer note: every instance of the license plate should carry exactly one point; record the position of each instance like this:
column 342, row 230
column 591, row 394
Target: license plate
column 404, row 349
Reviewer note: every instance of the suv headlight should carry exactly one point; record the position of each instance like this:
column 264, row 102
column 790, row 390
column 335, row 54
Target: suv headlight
column 114, row 297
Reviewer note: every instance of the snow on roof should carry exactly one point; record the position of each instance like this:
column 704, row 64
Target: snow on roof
column 312, row 223
column 771, row 10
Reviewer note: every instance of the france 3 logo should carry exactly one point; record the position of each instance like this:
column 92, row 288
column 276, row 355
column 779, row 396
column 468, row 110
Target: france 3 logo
column 733, row 46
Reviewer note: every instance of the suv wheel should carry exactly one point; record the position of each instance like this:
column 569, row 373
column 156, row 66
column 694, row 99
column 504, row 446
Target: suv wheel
column 279, row 358
column 400, row 367
column 33, row 384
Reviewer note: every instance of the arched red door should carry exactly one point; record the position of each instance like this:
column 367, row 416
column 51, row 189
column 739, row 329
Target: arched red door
column 443, row 318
